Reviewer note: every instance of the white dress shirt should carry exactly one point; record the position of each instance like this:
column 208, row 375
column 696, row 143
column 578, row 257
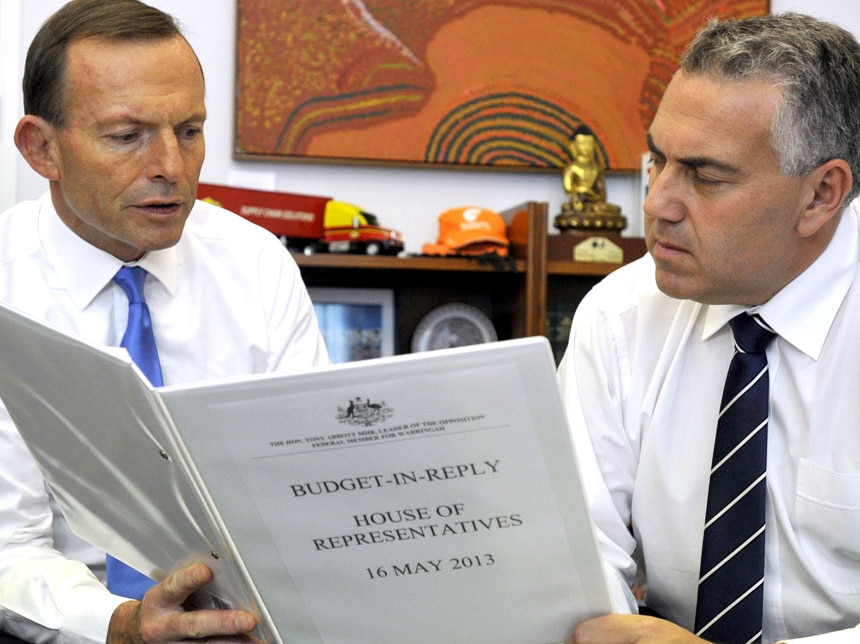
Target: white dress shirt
column 226, row 300
column 644, row 373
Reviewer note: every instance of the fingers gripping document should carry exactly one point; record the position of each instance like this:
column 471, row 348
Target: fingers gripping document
column 421, row 498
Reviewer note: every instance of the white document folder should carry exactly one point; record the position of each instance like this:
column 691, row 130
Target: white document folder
column 420, row 498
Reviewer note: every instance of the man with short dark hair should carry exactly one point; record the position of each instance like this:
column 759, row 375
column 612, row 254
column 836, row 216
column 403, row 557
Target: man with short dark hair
column 114, row 115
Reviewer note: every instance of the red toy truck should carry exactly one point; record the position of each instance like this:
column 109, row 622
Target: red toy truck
column 306, row 223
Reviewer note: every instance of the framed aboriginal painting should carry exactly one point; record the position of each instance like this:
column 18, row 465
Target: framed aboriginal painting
column 494, row 83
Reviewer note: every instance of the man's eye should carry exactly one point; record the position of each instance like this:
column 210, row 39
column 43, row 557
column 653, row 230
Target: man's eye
column 707, row 181
column 655, row 165
column 125, row 137
column 191, row 132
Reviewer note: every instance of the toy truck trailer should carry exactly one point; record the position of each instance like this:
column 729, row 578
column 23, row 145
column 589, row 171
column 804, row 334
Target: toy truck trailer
column 306, row 223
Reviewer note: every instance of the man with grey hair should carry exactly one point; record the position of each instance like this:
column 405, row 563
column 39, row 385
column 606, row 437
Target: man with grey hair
column 740, row 506
column 114, row 113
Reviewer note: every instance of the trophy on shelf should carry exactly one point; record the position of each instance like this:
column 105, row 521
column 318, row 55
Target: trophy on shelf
column 586, row 209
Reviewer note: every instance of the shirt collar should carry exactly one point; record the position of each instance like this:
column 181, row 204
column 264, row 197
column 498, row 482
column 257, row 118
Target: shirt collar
column 84, row 270
column 803, row 312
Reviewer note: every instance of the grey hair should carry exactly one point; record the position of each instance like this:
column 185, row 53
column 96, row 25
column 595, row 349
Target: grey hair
column 817, row 65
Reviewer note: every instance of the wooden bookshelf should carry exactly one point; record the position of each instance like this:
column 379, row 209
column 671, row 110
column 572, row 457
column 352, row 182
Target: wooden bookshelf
column 513, row 292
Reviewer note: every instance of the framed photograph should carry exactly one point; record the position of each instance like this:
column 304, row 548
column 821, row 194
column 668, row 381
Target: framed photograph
column 357, row 323
column 480, row 83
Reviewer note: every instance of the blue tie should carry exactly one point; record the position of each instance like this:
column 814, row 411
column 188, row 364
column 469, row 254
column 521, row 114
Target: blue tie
column 731, row 577
column 139, row 340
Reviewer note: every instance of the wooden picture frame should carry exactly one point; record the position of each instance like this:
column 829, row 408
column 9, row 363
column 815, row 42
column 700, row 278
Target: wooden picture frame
column 457, row 83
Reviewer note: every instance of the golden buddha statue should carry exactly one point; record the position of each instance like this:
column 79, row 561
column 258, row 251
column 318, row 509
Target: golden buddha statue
column 586, row 208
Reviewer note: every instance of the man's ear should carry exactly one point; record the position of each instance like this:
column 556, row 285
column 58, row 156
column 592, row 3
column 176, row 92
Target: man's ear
column 830, row 183
column 34, row 138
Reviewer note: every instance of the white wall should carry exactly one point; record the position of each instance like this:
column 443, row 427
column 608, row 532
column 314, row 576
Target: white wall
column 409, row 199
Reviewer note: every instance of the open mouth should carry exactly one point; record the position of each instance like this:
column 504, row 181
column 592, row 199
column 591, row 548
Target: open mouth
column 160, row 208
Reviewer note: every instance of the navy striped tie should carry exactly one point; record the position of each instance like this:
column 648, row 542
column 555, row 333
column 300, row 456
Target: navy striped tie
column 139, row 341
column 731, row 577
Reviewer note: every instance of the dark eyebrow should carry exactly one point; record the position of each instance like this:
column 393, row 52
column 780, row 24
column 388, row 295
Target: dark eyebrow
column 694, row 162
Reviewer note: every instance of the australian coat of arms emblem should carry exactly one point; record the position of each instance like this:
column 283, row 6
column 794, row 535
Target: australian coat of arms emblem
column 363, row 412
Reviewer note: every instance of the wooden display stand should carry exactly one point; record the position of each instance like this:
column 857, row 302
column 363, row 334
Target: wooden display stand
column 513, row 293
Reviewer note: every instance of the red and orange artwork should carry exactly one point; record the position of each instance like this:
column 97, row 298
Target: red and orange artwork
column 499, row 83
